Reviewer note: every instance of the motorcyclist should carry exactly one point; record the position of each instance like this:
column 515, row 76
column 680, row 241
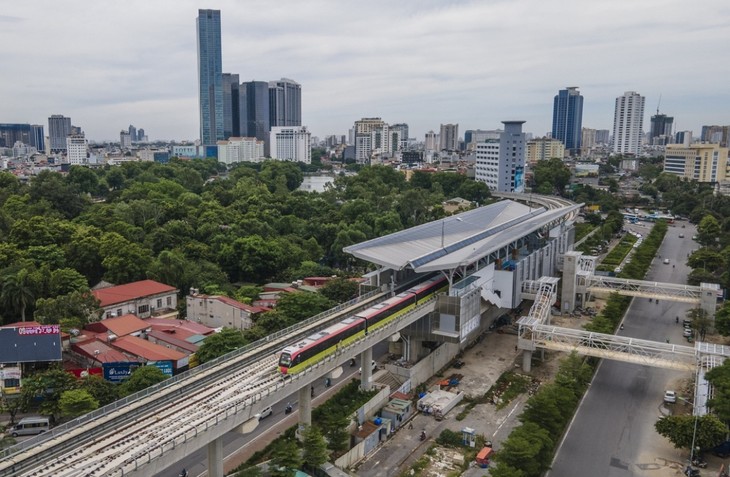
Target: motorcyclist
column 352, row 362
column 676, row 320
column 183, row 473
column 423, row 435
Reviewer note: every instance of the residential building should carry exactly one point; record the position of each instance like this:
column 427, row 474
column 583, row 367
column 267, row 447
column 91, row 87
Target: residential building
column 603, row 136
column 501, row 163
column 568, row 118
column 703, row 162
column 285, row 103
column 119, row 326
column 141, row 298
column 544, row 148
column 364, row 138
column 449, row 137
column 628, row 121
column 291, row 144
column 432, row 141
column 255, row 112
column 402, row 129
column 231, row 106
column 474, row 136
column 125, row 140
column 77, row 149
column 587, row 140
column 161, row 156
column 12, row 133
column 660, row 132
column 217, row 311
column 716, row 134
column 240, row 149
column 683, row 138
column 59, row 127
column 26, row 342
column 210, row 75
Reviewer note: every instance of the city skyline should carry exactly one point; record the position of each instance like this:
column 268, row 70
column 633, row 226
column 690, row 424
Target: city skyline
column 428, row 63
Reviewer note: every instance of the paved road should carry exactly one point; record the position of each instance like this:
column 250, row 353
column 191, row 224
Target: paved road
column 613, row 431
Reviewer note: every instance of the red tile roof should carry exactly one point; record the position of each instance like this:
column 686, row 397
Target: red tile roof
column 163, row 324
column 106, row 354
column 131, row 291
column 120, row 326
column 21, row 324
column 173, row 339
column 149, row 351
column 230, row 302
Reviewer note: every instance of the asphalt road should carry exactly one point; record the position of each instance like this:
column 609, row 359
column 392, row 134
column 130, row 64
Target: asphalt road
column 197, row 462
column 612, row 433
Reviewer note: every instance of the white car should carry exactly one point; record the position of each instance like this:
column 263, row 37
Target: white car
column 374, row 366
column 266, row 412
column 666, row 261
column 670, row 397
column 687, row 332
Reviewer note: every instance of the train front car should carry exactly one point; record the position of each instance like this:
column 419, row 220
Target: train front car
column 285, row 360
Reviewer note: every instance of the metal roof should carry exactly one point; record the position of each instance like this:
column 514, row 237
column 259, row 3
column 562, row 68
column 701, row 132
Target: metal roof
column 456, row 240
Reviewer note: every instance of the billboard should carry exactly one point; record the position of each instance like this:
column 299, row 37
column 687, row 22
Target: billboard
column 165, row 366
column 117, row 372
column 519, row 179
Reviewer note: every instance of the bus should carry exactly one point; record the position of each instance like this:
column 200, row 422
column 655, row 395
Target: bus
column 655, row 217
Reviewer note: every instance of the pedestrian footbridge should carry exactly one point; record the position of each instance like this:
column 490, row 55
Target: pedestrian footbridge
column 646, row 289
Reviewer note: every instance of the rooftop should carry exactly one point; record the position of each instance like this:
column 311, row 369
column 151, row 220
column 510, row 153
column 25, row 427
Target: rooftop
column 146, row 349
column 130, row 291
column 120, row 326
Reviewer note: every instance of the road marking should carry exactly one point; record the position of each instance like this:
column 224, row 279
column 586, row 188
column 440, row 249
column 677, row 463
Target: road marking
column 505, row 419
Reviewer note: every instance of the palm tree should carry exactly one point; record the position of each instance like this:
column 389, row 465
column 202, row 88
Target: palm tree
column 17, row 291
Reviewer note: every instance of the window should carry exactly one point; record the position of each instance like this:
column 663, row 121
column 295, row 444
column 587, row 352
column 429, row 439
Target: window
column 169, row 301
column 143, row 309
column 159, row 303
column 119, row 312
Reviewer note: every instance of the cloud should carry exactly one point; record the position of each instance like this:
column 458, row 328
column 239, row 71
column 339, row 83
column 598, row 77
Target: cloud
column 107, row 65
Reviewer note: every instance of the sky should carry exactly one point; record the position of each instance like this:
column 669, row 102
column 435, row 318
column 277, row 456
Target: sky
column 423, row 62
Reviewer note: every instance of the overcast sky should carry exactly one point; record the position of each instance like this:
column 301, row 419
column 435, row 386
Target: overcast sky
column 424, row 62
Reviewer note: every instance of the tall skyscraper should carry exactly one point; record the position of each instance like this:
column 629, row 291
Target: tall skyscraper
column 210, row 76
column 661, row 129
column 402, row 129
column 59, row 127
column 255, row 112
column 12, row 133
column 364, row 145
column 231, row 106
column 568, row 118
column 37, row 137
column 431, row 141
column 285, row 103
column 501, row 163
column 628, row 121
column 141, row 135
column 449, row 137
column 132, row 133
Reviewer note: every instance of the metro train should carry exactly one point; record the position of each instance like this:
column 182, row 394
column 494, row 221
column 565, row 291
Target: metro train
column 313, row 348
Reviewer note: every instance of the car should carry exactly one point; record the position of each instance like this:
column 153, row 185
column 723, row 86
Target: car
column 265, row 412
column 374, row 366
column 687, row 332
column 666, row 261
column 694, row 237
column 670, row 397
column 681, row 235
column 687, row 323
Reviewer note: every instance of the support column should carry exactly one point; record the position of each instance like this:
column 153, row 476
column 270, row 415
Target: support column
column 526, row 361
column 414, row 345
column 366, row 368
column 215, row 458
column 305, row 405
column 570, row 269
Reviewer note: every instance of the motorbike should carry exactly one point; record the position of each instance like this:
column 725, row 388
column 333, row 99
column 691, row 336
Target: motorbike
column 183, row 473
column 622, row 326
column 288, row 409
column 699, row 462
column 423, row 435
column 352, row 362
column 690, row 472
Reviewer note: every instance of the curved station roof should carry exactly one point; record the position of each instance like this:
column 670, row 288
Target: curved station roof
column 458, row 240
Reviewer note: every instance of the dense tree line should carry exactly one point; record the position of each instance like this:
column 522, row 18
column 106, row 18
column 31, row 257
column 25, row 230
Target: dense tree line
column 194, row 224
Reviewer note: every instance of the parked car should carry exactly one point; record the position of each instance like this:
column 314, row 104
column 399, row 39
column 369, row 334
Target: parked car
column 681, row 235
column 29, row 426
column 374, row 366
column 266, row 412
column 687, row 332
column 666, row 261
column 670, row 397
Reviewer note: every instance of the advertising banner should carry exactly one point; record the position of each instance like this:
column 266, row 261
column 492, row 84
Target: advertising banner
column 39, row 330
column 118, row 371
column 165, row 366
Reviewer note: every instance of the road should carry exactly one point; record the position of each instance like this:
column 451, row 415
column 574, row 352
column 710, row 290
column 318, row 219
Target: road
column 197, row 462
column 612, row 433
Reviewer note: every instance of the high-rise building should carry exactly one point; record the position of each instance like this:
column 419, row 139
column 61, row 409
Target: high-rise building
column 474, row 136
column 132, row 133
column 716, row 134
column 544, row 148
column 231, row 106
column 683, row 138
column 660, row 132
column 210, row 76
column 432, row 141
column 59, row 127
column 449, row 137
column 628, row 121
column 291, row 144
column 501, row 163
column 12, row 133
column 141, row 136
column 587, row 140
column 254, row 110
column 402, row 129
column 77, row 148
column 37, row 137
column 364, row 143
column 285, row 103
column 704, row 162
column 603, row 136
column 125, row 140
column 568, row 118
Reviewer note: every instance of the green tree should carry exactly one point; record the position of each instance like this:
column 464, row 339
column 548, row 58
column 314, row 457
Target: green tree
column 285, row 459
column 719, row 377
column 17, row 292
column 141, row 378
column 551, row 176
column 218, row 344
column 301, row 305
column 340, row 289
column 334, row 427
column 123, row 260
column 73, row 310
column 680, row 430
column 551, row 409
column 701, row 321
column 250, row 471
column 76, row 402
column 315, row 447
column 722, row 319
column 528, row 448
column 248, row 293
column 47, row 386
column 84, row 179
column 12, row 404
column 708, row 230
column 103, row 391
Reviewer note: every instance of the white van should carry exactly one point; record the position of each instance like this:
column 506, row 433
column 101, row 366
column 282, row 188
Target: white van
column 29, row 426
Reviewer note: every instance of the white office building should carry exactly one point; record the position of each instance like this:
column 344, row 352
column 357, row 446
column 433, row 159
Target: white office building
column 240, row 149
column 77, row 148
column 628, row 121
column 291, row 143
column 501, row 163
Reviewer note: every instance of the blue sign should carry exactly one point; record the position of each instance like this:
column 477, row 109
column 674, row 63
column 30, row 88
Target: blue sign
column 118, row 371
column 165, row 366
column 519, row 179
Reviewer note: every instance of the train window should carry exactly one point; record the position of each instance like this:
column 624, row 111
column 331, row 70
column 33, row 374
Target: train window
column 285, row 359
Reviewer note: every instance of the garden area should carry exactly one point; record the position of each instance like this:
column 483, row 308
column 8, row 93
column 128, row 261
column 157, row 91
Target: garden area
column 617, row 255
